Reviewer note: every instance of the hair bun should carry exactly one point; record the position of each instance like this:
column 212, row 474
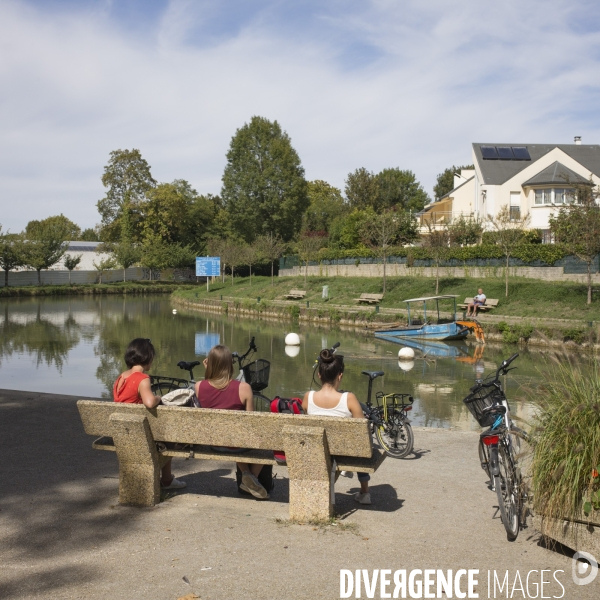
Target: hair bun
column 326, row 356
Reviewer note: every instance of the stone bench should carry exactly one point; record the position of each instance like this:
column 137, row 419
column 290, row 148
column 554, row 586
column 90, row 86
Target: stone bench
column 311, row 445
column 295, row 295
column 489, row 304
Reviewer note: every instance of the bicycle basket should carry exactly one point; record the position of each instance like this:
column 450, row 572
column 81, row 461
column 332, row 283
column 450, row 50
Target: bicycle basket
column 480, row 399
column 257, row 374
column 393, row 401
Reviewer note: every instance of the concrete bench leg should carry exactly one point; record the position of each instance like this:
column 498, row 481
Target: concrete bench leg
column 139, row 464
column 309, row 468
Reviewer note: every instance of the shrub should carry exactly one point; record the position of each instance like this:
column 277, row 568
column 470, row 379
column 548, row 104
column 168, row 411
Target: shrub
column 566, row 457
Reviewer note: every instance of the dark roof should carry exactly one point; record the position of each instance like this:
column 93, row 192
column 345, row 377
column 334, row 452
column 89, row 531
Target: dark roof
column 556, row 173
column 496, row 172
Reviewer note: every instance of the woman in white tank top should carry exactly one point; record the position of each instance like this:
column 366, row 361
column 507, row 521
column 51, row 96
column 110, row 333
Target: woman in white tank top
column 328, row 402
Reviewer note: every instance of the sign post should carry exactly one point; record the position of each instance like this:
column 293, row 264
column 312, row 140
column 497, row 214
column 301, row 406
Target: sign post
column 208, row 266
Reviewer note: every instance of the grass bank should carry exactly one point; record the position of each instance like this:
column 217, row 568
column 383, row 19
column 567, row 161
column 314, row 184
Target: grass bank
column 527, row 297
column 94, row 289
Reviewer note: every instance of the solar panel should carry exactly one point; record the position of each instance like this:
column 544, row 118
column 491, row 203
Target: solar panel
column 521, row 153
column 489, row 152
column 505, row 152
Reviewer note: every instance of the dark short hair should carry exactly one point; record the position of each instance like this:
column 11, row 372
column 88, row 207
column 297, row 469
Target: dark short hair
column 139, row 352
column 330, row 366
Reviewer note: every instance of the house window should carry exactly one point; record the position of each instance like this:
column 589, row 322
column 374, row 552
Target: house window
column 547, row 237
column 554, row 196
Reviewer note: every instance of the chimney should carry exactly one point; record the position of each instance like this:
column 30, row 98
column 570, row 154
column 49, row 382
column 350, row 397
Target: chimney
column 578, row 140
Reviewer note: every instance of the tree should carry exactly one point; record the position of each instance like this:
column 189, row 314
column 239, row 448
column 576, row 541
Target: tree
column 12, row 253
column 510, row 232
column 125, row 254
column 445, row 180
column 326, row 204
column 386, row 229
column 270, row 247
column 264, row 189
column 71, row 262
column 399, row 189
column 127, row 177
column 308, row 246
column 250, row 256
column 156, row 254
column 89, row 235
column 45, row 244
column 345, row 232
column 59, row 224
column 233, row 253
column 577, row 226
column 362, row 189
column 438, row 241
column 103, row 264
column 465, row 231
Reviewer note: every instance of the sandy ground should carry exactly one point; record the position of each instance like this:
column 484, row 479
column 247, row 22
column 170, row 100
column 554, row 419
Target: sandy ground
column 63, row 535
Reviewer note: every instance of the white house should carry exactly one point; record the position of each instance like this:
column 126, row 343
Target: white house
column 530, row 178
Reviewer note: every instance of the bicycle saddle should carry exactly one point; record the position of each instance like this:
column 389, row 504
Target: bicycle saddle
column 187, row 366
column 373, row 374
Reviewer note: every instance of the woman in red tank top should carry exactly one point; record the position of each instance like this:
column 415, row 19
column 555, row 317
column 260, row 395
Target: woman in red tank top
column 133, row 387
column 220, row 390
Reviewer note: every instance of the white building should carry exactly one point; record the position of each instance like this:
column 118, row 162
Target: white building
column 530, row 178
column 88, row 253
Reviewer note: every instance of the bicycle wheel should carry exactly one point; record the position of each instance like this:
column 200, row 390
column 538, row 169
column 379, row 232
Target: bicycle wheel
column 508, row 492
column 261, row 403
column 395, row 435
column 163, row 385
column 484, row 458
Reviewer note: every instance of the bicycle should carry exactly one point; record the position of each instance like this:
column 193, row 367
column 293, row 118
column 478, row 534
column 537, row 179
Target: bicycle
column 487, row 402
column 388, row 420
column 255, row 373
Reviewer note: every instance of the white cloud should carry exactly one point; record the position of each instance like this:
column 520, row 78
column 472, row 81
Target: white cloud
column 383, row 84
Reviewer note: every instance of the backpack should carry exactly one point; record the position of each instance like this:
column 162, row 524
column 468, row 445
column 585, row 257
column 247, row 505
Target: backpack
column 290, row 406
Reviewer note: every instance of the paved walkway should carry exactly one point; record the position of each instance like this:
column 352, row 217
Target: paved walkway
column 62, row 534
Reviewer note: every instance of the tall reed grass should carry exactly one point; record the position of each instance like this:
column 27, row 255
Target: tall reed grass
column 567, row 440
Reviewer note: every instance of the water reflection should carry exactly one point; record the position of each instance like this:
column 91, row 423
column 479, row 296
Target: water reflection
column 76, row 347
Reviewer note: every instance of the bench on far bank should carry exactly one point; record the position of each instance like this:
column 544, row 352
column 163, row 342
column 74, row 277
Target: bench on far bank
column 295, row 295
column 489, row 304
column 311, row 445
column 369, row 298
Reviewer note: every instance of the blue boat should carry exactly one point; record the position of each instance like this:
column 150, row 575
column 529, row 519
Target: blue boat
column 428, row 328
column 434, row 348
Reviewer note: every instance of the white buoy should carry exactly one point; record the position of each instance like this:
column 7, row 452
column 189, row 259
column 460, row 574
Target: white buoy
column 292, row 351
column 292, row 339
column 174, row 311
column 406, row 365
column 406, row 354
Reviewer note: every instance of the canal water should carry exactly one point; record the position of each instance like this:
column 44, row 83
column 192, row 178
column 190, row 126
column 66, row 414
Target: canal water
column 75, row 346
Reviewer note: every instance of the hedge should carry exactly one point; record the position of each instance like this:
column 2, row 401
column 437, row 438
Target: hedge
column 528, row 253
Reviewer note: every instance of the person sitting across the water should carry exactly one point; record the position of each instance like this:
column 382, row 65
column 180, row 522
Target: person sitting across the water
column 219, row 389
column 478, row 301
column 133, row 387
column 328, row 402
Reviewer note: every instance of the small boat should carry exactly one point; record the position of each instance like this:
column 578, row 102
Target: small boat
column 426, row 328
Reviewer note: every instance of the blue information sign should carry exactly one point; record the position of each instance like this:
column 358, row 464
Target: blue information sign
column 208, row 266
column 206, row 341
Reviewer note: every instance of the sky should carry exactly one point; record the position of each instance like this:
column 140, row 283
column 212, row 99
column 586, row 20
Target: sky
column 355, row 83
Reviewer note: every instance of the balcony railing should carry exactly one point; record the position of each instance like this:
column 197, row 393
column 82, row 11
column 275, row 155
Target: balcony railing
column 439, row 219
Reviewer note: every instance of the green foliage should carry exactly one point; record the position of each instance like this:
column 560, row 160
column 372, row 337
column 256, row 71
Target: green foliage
column 345, row 231
column 12, row 253
column 512, row 334
column 270, row 247
column 71, row 261
column 576, row 334
column 530, row 236
column 445, row 180
column 567, row 440
column 362, row 189
column 59, row 224
column 127, row 177
column 326, row 204
column 400, row 190
column 45, row 244
column 89, row 235
column 264, row 190
column 464, row 231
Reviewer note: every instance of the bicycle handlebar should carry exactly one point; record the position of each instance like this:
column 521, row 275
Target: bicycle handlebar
column 503, row 368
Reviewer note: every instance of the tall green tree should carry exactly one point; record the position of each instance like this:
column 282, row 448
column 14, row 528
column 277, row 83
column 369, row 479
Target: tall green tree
column 362, row 189
column 400, row 190
column 264, row 189
column 445, row 180
column 127, row 178
column 577, row 226
column 12, row 253
column 59, row 224
column 326, row 204
column 46, row 244
column 346, row 231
